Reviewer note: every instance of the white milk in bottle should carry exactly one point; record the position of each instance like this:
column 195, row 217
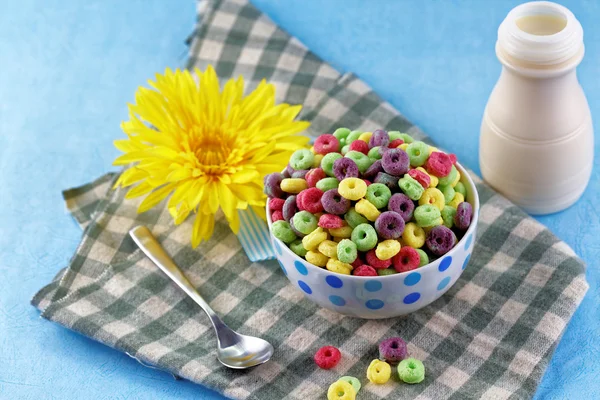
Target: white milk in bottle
column 536, row 143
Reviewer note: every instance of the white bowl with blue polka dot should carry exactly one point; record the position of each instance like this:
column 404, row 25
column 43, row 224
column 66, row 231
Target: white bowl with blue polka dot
column 381, row 296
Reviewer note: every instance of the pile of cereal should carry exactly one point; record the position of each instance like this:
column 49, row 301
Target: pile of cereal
column 368, row 204
column 392, row 351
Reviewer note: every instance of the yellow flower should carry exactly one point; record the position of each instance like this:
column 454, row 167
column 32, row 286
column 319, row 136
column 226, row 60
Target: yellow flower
column 206, row 147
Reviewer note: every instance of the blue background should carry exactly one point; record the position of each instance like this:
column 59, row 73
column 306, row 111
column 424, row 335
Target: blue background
column 67, row 70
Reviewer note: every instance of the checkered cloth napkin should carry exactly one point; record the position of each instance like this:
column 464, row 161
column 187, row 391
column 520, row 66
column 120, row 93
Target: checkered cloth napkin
column 490, row 336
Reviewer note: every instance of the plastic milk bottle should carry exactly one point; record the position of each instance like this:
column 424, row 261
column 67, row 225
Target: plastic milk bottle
column 537, row 143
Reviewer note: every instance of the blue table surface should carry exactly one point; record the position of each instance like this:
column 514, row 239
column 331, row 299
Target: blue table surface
column 67, row 70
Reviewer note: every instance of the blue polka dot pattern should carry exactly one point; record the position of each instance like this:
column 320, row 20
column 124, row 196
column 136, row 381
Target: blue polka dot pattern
column 468, row 241
column 337, row 300
column 412, row 298
column 443, row 283
column 445, row 263
column 373, row 286
column 277, row 247
column 301, row 268
column 374, row 304
column 305, row 287
column 466, row 261
column 412, row 279
column 334, row 282
column 282, row 268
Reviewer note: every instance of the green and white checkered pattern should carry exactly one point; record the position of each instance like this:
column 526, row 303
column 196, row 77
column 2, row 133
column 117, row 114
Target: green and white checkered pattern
column 490, row 336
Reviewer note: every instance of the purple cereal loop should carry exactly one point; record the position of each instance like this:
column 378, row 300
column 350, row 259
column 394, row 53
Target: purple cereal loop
column 373, row 170
column 345, row 168
column 272, row 182
column 395, row 162
column 393, row 350
column 464, row 213
column 440, row 240
column 403, row 205
column 388, row 180
column 299, row 173
column 379, row 138
column 289, row 208
column 334, row 203
column 289, row 170
column 389, row 225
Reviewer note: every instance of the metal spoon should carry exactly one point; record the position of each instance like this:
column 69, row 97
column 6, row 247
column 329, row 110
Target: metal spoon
column 234, row 350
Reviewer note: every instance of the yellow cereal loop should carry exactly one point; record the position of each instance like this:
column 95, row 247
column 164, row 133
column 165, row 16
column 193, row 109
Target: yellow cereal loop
column 313, row 239
column 365, row 136
column 344, row 232
column 432, row 149
column 387, row 249
column 367, row 209
column 413, row 236
column 458, row 198
column 456, row 180
column 341, row 390
column 293, row 185
column 334, row 265
column 403, row 146
column 329, row 248
column 352, row 188
column 317, row 162
column 379, row 372
column 312, row 149
column 316, row 258
column 434, row 197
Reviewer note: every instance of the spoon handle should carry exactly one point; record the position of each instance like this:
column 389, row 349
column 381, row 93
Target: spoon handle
column 142, row 236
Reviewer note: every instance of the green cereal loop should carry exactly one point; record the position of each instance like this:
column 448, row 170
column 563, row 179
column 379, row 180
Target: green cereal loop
column 448, row 179
column 418, row 152
column 353, row 381
column 298, row 248
column 378, row 194
column 394, row 135
column 341, row 134
column 353, row 218
column 362, row 160
column 346, row 251
column 326, row 184
column 374, row 153
column 411, row 370
column 364, row 237
column 460, row 188
column 425, row 215
column 423, row 257
column 406, row 137
column 448, row 192
column 448, row 214
column 283, row 231
column 305, row 222
column 345, row 149
column 386, row 271
column 353, row 136
column 327, row 162
column 302, row 159
column 411, row 187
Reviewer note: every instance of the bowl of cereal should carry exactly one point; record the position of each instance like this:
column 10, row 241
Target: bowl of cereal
column 372, row 224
